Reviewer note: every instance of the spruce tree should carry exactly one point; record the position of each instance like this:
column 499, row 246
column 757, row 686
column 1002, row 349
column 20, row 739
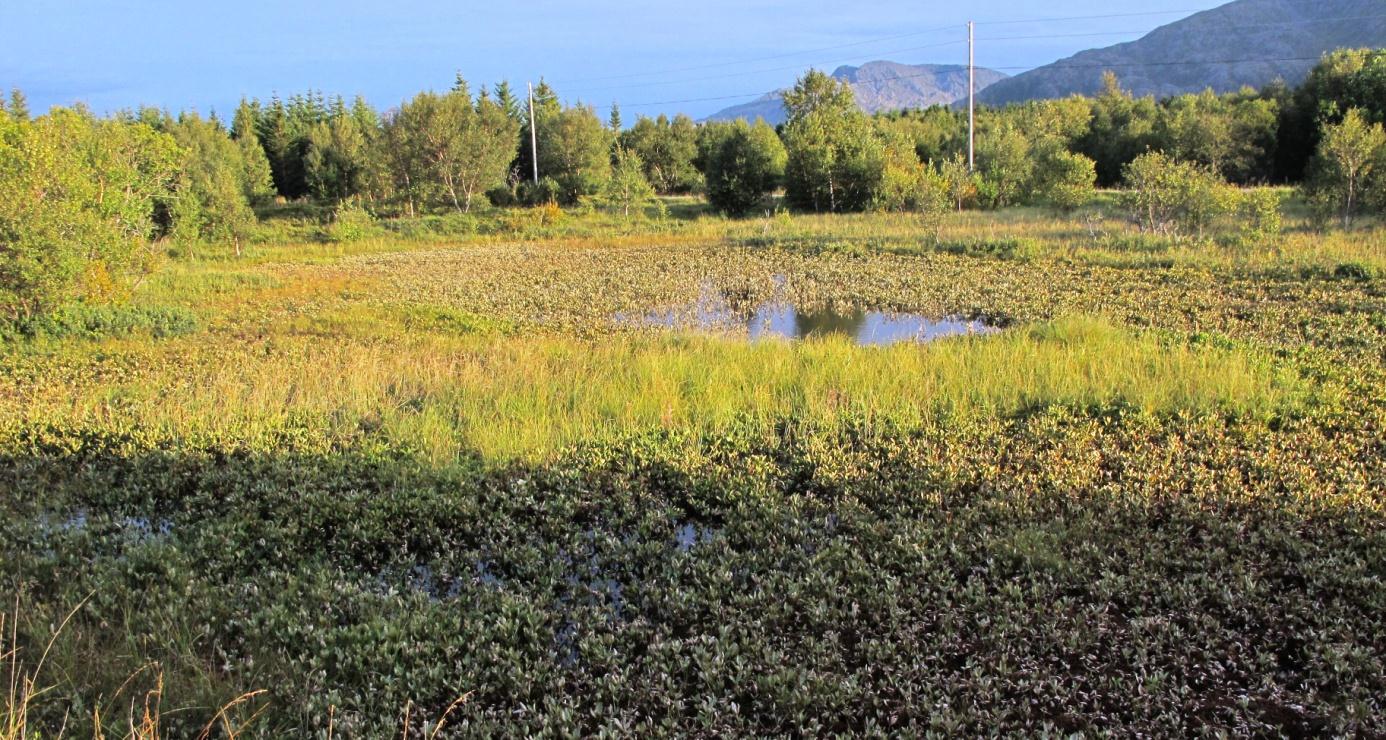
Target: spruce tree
column 505, row 98
column 19, row 105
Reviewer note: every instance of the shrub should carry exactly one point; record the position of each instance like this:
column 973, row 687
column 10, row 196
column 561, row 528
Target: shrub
column 1012, row 248
column 502, row 196
column 77, row 200
column 1066, row 180
column 743, row 167
column 547, row 190
column 446, row 225
column 1005, row 162
column 1260, row 215
column 527, row 221
column 212, row 205
column 83, row 321
column 906, row 185
column 834, row 156
column 627, row 188
column 1354, row 271
column 574, row 149
column 351, row 222
column 1342, row 170
column 667, row 149
column 961, row 184
column 1173, row 198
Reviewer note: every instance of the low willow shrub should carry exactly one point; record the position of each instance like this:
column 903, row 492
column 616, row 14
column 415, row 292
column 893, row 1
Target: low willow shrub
column 1010, row 248
column 1063, row 571
column 433, row 226
column 93, row 321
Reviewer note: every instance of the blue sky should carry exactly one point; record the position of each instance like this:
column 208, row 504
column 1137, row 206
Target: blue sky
column 651, row 57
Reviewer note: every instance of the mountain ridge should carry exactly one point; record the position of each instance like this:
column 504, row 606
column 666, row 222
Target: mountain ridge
column 1242, row 43
column 879, row 86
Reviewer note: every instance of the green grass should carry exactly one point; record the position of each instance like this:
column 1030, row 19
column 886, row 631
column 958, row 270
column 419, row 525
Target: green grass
column 532, row 397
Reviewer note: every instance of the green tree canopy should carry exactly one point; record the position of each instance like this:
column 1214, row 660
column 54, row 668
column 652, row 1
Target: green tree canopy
column 1349, row 154
column 746, row 164
column 1122, row 128
column 77, row 204
column 575, row 151
column 257, row 178
column 211, row 203
column 627, row 188
column 451, row 146
column 834, row 154
column 668, row 149
column 338, row 158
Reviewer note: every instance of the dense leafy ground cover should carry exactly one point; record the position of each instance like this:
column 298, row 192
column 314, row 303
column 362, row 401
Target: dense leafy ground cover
column 374, row 478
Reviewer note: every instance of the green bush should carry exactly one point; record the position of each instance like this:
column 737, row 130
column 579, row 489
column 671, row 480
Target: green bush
column 350, row 222
column 744, row 584
column 547, row 190
column 1344, row 170
column 78, row 198
column 94, row 321
column 744, row 167
column 1065, row 181
column 1173, row 198
column 1260, row 215
column 503, row 196
column 1354, row 271
column 1010, row 248
column 425, row 227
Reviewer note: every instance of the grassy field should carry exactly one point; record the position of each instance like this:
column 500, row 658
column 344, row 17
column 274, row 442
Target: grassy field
column 430, row 475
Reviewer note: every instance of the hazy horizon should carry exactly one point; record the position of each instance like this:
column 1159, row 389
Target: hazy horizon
column 649, row 59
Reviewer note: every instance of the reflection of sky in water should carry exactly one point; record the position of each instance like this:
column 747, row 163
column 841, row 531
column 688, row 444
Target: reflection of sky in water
column 778, row 318
column 865, row 327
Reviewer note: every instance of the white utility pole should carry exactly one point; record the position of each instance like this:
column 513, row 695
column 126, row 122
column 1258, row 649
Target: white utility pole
column 533, row 136
column 971, row 104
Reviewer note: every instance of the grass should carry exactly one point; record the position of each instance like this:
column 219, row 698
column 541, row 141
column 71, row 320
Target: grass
column 532, row 397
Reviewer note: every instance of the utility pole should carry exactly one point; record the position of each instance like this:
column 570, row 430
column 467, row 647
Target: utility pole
column 971, row 103
column 533, row 136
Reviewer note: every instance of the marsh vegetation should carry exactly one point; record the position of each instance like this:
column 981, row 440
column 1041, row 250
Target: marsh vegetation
column 387, row 473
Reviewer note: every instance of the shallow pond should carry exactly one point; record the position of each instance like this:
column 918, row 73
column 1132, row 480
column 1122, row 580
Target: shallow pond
column 712, row 312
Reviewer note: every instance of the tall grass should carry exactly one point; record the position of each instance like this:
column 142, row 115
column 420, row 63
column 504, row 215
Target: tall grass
column 530, row 396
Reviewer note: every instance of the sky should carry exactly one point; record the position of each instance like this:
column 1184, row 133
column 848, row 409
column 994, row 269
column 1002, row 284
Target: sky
column 650, row 57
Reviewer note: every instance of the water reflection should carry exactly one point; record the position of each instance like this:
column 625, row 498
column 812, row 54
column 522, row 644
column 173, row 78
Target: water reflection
column 866, row 328
column 780, row 318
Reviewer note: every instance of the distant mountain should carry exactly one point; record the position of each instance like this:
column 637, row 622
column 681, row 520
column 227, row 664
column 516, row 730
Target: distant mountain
column 880, row 86
column 1246, row 42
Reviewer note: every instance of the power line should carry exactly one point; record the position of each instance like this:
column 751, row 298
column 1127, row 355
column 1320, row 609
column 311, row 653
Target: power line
column 1088, row 17
column 745, row 73
column 864, row 42
column 772, row 57
column 1055, row 66
column 1110, row 65
column 879, row 54
column 841, row 60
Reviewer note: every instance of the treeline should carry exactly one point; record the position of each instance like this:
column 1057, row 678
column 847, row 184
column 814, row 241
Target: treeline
column 85, row 202
column 446, row 151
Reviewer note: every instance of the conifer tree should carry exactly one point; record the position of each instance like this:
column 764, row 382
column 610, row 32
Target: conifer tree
column 505, row 98
column 256, row 178
column 627, row 187
column 19, row 105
